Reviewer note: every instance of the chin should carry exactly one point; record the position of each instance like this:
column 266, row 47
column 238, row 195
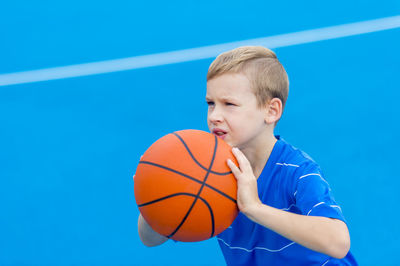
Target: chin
column 230, row 143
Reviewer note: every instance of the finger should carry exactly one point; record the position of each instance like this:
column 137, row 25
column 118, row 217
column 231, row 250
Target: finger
column 244, row 163
column 235, row 170
column 141, row 156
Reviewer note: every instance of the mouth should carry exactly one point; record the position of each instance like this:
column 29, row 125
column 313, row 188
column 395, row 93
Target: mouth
column 219, row 133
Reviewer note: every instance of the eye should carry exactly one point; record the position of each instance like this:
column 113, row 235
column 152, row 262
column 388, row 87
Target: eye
column 230, row 104
column 210, row 103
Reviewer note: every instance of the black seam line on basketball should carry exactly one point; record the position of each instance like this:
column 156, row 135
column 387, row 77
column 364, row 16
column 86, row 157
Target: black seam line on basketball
column 189, row 177
column 194, row 159
column 185, row 194
column 200, row 189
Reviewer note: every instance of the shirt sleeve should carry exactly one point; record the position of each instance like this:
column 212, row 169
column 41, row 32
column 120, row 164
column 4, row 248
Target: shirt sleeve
column 314, row 197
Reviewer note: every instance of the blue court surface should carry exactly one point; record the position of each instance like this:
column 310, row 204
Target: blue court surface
column 71, row 137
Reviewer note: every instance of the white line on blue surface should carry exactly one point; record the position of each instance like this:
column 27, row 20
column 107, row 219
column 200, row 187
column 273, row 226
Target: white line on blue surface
column 192, row 54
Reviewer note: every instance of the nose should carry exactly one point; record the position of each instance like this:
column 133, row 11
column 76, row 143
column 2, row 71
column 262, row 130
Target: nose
column 215, row 115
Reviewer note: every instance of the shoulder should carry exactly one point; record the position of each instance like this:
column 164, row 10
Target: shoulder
column 295, row 159
column 294, row 166
column 307, row 185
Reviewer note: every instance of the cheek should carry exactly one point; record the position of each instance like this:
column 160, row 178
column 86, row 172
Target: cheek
column 237, row 127
column 237, row 119
column 247, row 125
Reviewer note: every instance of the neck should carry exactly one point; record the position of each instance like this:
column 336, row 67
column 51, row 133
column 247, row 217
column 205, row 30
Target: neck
column 259, row 155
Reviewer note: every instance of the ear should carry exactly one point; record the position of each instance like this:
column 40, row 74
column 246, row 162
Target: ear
column 273, row 111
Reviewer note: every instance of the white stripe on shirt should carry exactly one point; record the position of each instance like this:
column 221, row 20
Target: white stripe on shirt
column 287, row 164
column 314, row 174
column 315, row 206
column 301, row 177
column 255, row 248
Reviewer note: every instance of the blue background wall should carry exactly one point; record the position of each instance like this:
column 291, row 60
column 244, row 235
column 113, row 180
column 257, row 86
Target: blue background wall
column 69, row 148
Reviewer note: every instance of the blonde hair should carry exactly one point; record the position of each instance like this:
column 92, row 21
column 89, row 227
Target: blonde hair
column 262, row 68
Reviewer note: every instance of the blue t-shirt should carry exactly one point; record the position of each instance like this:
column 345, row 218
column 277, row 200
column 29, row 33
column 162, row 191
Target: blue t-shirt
column 293, row 182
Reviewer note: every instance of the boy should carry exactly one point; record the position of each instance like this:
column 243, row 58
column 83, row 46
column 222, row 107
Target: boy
column 287, row 213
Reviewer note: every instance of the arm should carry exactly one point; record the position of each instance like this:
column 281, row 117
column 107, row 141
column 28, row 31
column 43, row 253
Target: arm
column 321, row 234
column 147, row 235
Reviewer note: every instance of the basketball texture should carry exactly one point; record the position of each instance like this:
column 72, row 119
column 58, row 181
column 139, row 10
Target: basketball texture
column 184, row 188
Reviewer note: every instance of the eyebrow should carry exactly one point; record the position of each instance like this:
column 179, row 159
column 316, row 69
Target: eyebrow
column 228, row 99
column 223, row 98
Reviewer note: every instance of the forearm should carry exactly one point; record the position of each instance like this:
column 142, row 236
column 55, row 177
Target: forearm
column 147, row 235
column 325, row 235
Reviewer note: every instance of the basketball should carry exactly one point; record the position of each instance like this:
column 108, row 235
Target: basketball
column 184, row 188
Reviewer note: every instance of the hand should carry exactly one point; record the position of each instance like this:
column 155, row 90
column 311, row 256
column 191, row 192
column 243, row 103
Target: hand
column 247, row 195
column 147, row 235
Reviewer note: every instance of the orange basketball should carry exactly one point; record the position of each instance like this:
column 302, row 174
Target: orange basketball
column 184, row 188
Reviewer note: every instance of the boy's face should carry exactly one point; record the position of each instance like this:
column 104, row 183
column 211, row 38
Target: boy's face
column 233, row 114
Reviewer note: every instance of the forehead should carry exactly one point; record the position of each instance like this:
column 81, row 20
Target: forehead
column 230, row 85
